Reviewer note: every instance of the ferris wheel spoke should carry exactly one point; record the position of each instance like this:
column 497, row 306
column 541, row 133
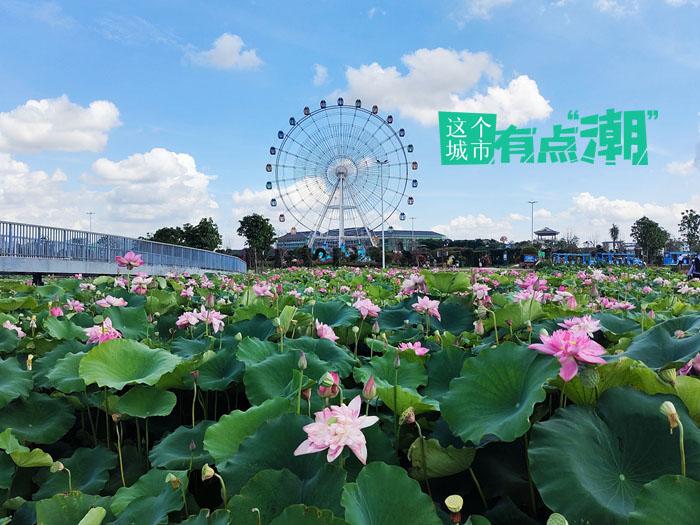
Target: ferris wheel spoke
column 314, row 154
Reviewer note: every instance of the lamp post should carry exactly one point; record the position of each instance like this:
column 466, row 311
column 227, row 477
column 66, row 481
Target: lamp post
column 90, row 214
column 381, row 194
column 532, row 221
column 413, row 231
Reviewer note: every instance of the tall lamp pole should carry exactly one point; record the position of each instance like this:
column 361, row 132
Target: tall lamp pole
column 532, row 221
column 413, row 236
column 381, row 193
column 90, row 214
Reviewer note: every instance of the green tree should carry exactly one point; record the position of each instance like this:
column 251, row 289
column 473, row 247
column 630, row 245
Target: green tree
column 169, row 235
column 204, row 235
column 614, row 235
column 649, row 236
column 689, row 228
column 258, row 233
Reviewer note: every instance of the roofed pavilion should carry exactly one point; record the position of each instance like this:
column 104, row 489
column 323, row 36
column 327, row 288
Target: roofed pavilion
column 546, row 234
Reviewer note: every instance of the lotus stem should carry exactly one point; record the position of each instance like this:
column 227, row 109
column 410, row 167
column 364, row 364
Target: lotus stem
column 194, row 401
column 478, row 488
column 70, row 479
column 682, row 446
column 396, row 411
column 301, row 384
column 119, row 451
column 224, row 494
column 531, row 486
column 106, row 417
column 425, row 459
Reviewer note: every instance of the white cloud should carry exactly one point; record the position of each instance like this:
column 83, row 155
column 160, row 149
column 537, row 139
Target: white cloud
column 473, row 226
column 481, row 8
column 48, row 13
column 518, row 217
column 445, row 79
column 57, row 124
column 682, row 167
column 226, row 53
column 617, row 7
column 542, row 213
column 320, row 74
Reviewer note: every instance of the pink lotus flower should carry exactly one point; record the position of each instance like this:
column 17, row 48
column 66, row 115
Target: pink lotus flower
column 367, row 308
column 187, row 319
column 414, row 283
column 569, row 347
column 426, row 306
column 262, row 290
column 329, row 385
column 129, row 260
column 416, row 347
column 585, row 324
column 140, row 284
column 187, row 292
column 211, row 317
column 74, row 305
column 56, row 311
column 325, row 332
column 691, row 366
column 335, row 428
column 479, row 327
column 119, row 282
column 102, row 332
column 15, row 328
column 111, row 301
column 480, row 291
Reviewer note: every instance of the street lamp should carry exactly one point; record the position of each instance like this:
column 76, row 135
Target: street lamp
column 413, row 230
column 532, row 221
column 381, row 193
column 90, row 214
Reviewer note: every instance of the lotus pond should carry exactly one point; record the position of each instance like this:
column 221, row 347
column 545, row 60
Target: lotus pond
column 351, row 396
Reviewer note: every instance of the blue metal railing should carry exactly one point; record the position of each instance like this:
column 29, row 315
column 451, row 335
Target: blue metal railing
column 30, row 240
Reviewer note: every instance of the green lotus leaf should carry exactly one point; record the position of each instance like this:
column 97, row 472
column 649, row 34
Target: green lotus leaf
column 259, row 326
column 206, row 517
column 447, row 282
column 187, row 348
column 439, row 461
column 668, row 499
column 160, row 301
column 476, row 519
column 497, row 393
column 223, row 438
column 15, row 381
column 625, row 442
column 660, row 347
column 616, row 324
column 38, row 419
column 337, row 357
column 220, row 371
column 21, row 455
column 271, row 447
column 252, row 350
column 152, row 510
column 94, row 516
column 64, row 375
column 146, row 401
column 412, row 372
column 173, row 451
column 66, row 509
column 455, row 317
column 89, row 468
column 270, row 491
column 63, row 329
column 150, row 485
column 7, row 470
column 385, row 494
column 406, row 397
column 300, row 514
column 394, row 317
column 517, row 314
column 130, row 320
column 8, row 340
column 334, row 313
column 44, row 364
column 688, row 389
column 122, row 362
column 443, row 366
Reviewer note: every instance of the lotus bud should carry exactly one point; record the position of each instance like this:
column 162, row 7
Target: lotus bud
column 479, row 327
column 355, row 330
column 669, row 375
column 116, row 417
column 192, row 445
column 437, row 336
column 375, row 327
column 306, row 394
column 542, row 333
column 397, row 360
column 238, row 337
column 195, row 374
column 207, row 472
column 454, row 504
column 56, row 466
column 529, row 326
column 669, row 410
column 30, row 360
column 408, row 417
column 276, row 322
column 173, row 480
column 312, row 302
column 509, row 322
column 302, row 364
column 369, row 392
column 590, row 377
column 328, row 385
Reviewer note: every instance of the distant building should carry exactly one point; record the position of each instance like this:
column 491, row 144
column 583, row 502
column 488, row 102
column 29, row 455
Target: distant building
column 546, row 234
column 393, row 239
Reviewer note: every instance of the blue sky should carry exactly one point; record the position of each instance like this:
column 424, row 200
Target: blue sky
column 154, row 113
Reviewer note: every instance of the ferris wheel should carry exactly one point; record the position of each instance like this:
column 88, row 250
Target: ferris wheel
column 341, row 172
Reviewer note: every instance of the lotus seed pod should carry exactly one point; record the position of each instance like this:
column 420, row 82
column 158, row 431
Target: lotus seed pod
column 454, row 503
column 173, row 480
column 276, row 322
column 669, row 375
column 557, row 519
column 207, row 472
column 30, row 360
column 355, row 329
column 56, row 466
column 408, row 417
column 238, row 337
